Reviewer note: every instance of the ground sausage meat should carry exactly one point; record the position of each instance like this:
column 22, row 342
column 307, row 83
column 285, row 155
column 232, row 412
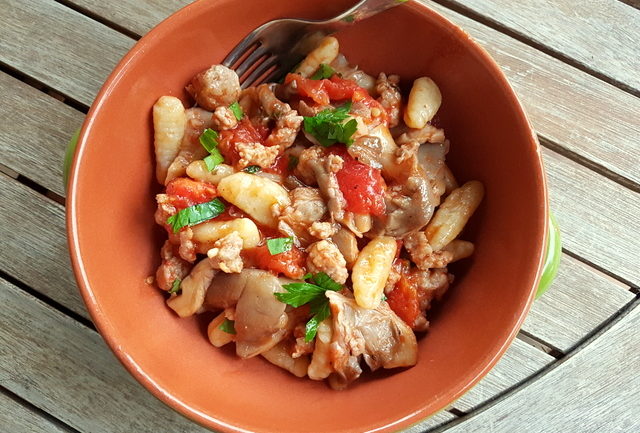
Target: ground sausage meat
column 217, row 86
column 324, row 256
column 225, row 254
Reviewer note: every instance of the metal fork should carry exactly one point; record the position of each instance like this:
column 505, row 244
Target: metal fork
column 274, row 48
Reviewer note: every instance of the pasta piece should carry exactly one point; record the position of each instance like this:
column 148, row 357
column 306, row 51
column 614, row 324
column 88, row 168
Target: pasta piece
column 280, row 356
column 169, row 120
column 197, row 170
column 261, row 198
column 371, row 270
column 450, row 182
column 453, row 214
column 206, row 234
column 424, row 101
column 321, row 367
column 325, row 52
column 459, row 249
column 217, row 336
column 193, row 288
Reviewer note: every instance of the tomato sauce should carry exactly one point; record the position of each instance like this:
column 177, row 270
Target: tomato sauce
column 244, row 132
column 290, row 263
column 184, row 192
column 403, row 299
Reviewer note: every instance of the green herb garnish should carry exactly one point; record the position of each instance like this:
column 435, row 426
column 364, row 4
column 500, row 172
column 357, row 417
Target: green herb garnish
column 175, row 287
column 324, row 71
column 237, row 110
column 293, row 162
column 195, row 214
column 209, row 140
column 329, row 126
column 299, row 294
column 228, row 326
column 252, row 169
column 279, row 245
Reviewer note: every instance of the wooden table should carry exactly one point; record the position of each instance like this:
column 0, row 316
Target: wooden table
column 575, row 365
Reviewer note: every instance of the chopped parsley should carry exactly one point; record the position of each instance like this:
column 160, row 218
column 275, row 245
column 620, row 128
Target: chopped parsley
column 279, row 245
column 252, row 169
column 299, row 294
column 195, row 214
column 209, row 140
column 228, row 326
column 329, row 126
column 237, row 110
column 175, row 287
column 324, row 71
column 293, row 162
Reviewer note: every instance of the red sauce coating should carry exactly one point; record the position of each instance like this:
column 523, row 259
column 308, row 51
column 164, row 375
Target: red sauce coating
column 184, row 192
column 289, row 263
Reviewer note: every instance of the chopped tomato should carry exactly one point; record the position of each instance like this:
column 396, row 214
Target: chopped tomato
column 362, row 186
column 184, row 192
column 244, row 132
column 324, row 91
column 280, row 166
column 403, row 300
column 290, row 263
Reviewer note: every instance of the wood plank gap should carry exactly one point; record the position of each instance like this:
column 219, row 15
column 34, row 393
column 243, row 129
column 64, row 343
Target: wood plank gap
column 591, row 165
column 47, row 300
column 538, row 46
column 100, row 19
column 632, row 3
column 35, row 409
column 540, row 344
column 632, row 287
column 635, row 303
column 36, row 84
column 41, row 189
column 8, row 171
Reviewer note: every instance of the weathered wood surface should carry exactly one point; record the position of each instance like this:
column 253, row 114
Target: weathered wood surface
column 602, row 35
column 579, row 301
column 599, row 126
column 594, row 391
column 18, row 418
column 36, row 128
column 59, row 47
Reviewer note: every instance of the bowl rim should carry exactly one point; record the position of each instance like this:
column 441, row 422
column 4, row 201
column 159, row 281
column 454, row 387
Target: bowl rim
column 99, row 318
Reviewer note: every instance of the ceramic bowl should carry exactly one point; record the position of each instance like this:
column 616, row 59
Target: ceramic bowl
column 115, row 244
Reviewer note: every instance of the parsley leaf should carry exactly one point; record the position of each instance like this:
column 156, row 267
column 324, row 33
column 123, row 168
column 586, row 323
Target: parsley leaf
column 329, row 126
column 279, row 245
column 228, row 326
column 237, row 110
column 324, row 71
column 313, row 294
column 175, row 287
column 195, row 214
column 209, row 140
column 293, row 162
column 252, row 169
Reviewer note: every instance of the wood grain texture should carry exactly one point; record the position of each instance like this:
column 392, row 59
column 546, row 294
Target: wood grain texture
column 518, row 363
column 571, row 109
column 594, row 391
column 66, row 369
column 36, row 129
column 577, row 303
column 598, row 219
column 17, row 418
column 34, row 245
column 603, row 35
column 430, row 423
column 59, row 47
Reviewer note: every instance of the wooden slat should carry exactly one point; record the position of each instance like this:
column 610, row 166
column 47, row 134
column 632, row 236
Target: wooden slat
column 59, row 47
column 36, row 129
column 599, row 34
column 579, row 301
column 518, row 363
column 569, row 108
column 17, row 418
column 34, row 248
column 597, row 218
column 66, row 369
column 596, row 390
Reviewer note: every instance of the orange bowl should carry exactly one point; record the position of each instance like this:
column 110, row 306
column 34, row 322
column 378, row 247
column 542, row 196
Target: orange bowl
column 115, row 244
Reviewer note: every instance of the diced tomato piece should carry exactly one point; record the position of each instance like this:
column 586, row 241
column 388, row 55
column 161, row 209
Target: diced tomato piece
column 290, row 263
column 403, row 300
column 362, row 186
column 280, row 166
column 244, row 132
column 184, row 192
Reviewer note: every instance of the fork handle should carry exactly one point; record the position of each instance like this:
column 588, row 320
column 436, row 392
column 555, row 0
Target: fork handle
column 363, row 10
